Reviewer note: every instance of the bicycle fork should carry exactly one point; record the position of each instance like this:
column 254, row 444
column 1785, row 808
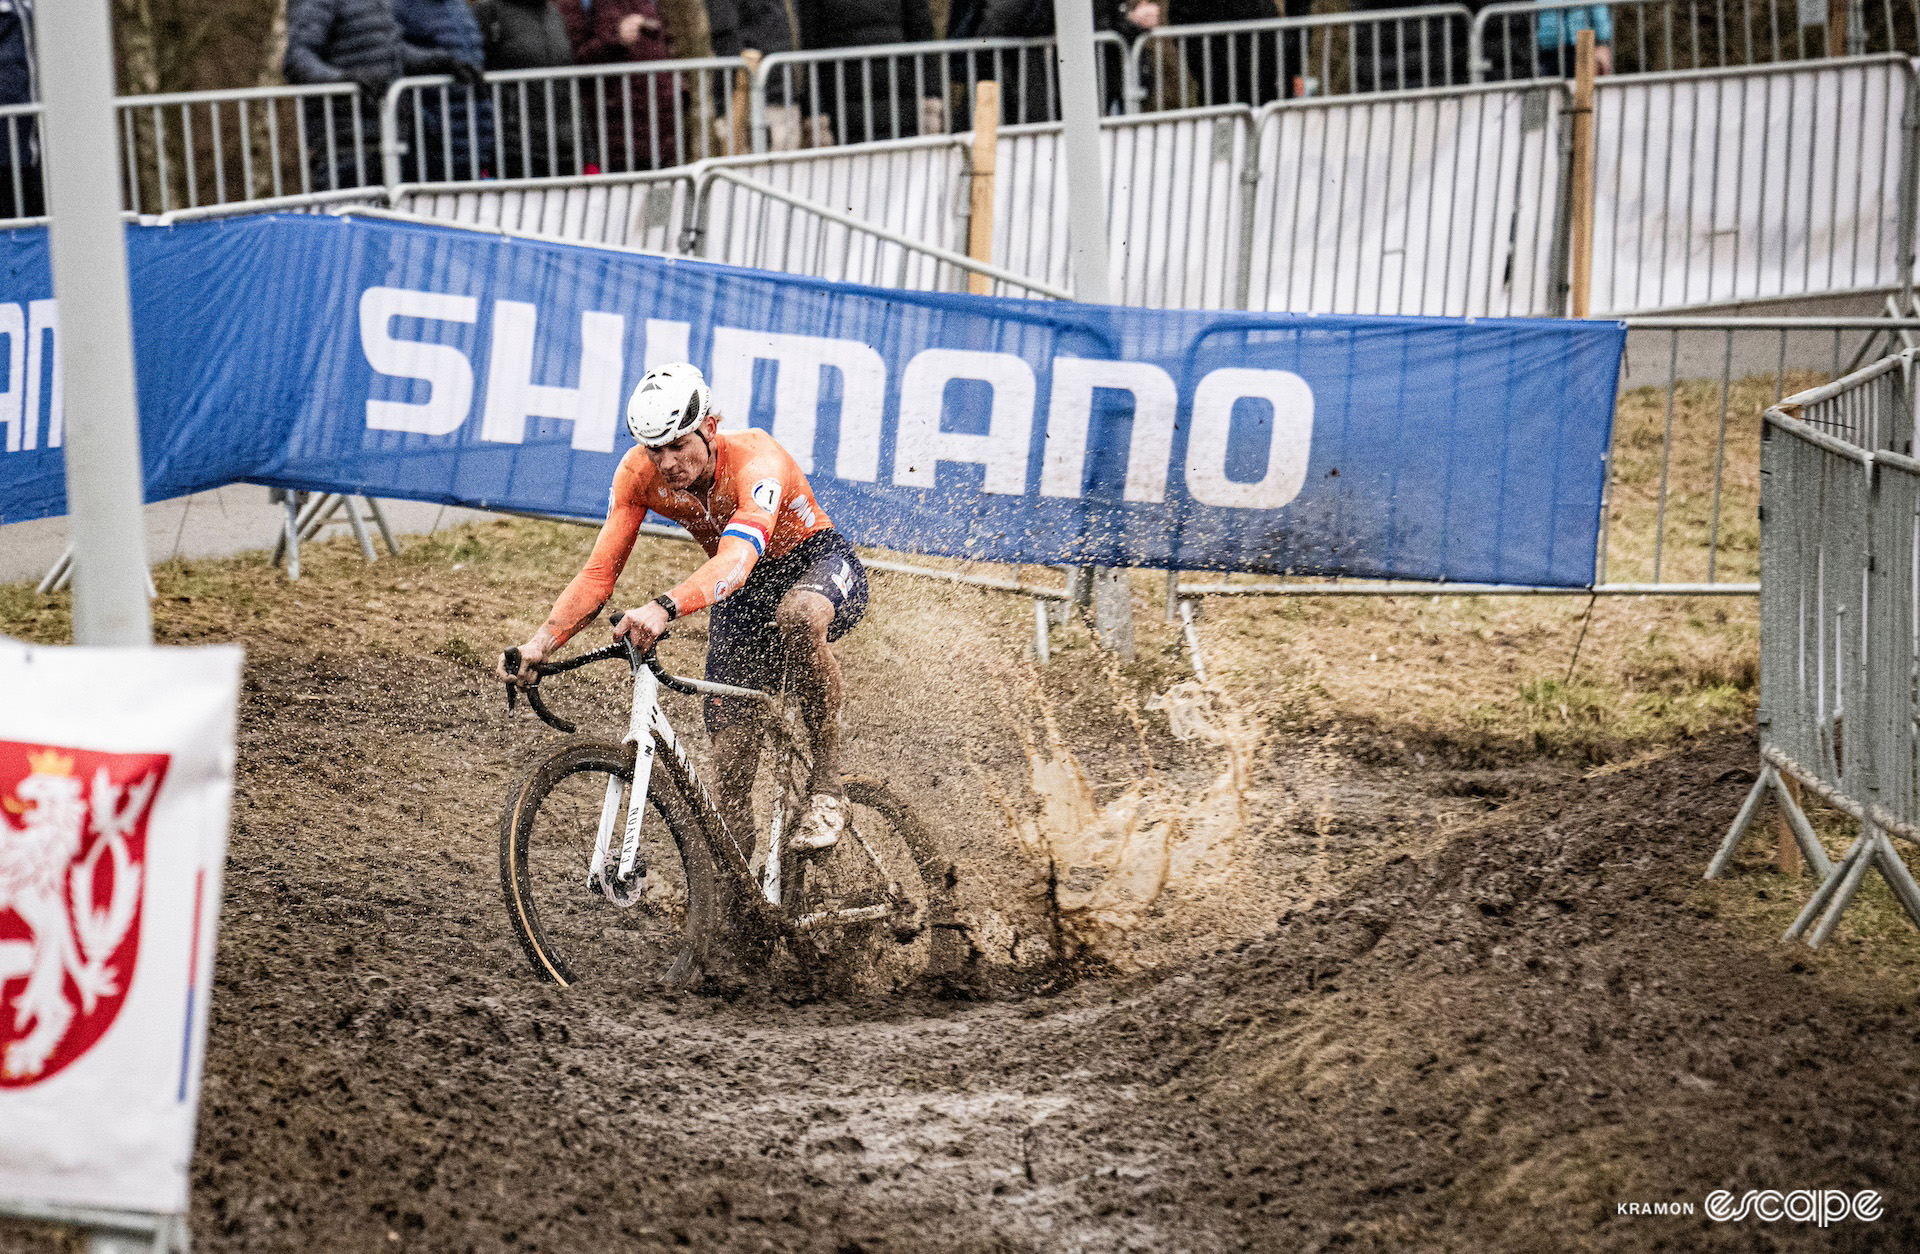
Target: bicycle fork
column 623, row 886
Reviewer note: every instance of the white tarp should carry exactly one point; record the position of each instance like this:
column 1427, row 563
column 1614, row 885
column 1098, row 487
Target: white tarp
column 645, row 212
column 1422, row 204
column 116, row 771
column 1766, row 183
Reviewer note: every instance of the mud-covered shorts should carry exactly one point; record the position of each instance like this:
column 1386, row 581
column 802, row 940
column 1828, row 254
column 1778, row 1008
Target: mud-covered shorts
column 743, row 641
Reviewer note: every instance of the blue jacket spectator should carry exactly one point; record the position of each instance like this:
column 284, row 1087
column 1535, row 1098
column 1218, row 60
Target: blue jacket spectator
column 352, row 41
column 461, row 146
column 1558, row 30
column 21, row 195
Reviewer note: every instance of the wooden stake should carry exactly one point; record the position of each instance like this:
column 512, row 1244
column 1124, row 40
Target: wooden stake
column 1580, row 222
column 742, row 95
column 1838, row 13
column 986, row 144
column 1789, row 855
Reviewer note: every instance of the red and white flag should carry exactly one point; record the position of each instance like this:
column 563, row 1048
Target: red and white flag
column 116, row 772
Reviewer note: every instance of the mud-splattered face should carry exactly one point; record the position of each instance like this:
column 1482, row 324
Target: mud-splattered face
column 689, row 459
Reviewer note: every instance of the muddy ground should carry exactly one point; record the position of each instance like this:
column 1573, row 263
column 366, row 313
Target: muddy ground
column 1450, row 1000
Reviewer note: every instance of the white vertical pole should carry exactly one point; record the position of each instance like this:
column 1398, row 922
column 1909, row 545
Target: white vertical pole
column 104, row 485
column 1087, row 245
column 1080, row 117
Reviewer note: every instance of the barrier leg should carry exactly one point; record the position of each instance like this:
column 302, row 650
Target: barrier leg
column 1811, row 849
column 359, row 526
column 1193, row 640
column 1741, row 821
column 1901, row 879
column 1113, row 609
column 291, row 541
column 320, row 510
column 1041, row 649
column 1849, row 885
column 1824, row 894
column 380, row 520
column 56, row 576
column 1173, row 596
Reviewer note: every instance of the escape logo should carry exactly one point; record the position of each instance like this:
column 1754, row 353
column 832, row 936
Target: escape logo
column 1819, row 1206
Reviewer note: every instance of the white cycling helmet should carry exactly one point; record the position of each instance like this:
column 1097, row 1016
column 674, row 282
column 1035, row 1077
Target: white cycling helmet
column 669, row 402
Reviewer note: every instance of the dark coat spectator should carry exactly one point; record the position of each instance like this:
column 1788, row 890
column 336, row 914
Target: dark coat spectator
column 1406, row 54
column 21, row 192
column 878, row 99
column 642, row 112
column 737, row 25
column 351, row 41
column 1252, row 68
column 1029, row 89
column 450, row 135
column 538, row 127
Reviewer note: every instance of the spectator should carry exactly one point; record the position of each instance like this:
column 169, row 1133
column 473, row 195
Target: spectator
column 537, row 127
column 762, row 26
column 1559, row 31
column 460, row 145
column 1252, row 67
column 353, row 41
column 1031, row 94
column 21, row 193
column 891, row 98
column 641, row 110
column 1408, row 53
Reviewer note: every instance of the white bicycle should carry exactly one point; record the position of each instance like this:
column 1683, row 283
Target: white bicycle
column 685, row 896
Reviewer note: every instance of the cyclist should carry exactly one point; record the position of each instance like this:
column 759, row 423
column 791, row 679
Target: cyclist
column 780, row 582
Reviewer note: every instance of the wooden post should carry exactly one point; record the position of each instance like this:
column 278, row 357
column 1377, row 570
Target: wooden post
column 1838, row 14
column 743, row 101
column 1580, row 220
column 1789, row 855
column 986, row 144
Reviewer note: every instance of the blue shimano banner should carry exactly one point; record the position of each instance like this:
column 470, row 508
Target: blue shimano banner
column 368, row 356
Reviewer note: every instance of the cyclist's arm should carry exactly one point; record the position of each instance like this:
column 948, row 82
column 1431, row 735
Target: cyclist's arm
column 721, row 575
column 760, row 489
column 589, row 591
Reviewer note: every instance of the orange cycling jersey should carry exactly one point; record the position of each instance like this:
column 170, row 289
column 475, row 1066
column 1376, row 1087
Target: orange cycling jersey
column 760, row 503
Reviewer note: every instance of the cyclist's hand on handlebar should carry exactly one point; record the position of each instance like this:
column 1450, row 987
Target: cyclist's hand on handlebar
column 643, row 627
column 532, row 653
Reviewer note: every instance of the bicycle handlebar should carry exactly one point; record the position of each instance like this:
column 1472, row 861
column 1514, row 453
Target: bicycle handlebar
column 618, row 649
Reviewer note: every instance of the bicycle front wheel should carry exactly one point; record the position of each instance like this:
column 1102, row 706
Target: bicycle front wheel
column 569, row 929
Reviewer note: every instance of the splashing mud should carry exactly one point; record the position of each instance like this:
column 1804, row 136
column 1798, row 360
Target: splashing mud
column 1114, row 864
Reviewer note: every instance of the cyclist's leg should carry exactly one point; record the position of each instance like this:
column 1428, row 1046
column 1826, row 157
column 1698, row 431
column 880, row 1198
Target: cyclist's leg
column 742, row 650
column 825, row 603
column 735, row 734
column 804, row 617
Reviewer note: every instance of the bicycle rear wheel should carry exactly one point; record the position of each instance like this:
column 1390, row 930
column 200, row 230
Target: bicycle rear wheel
column 571, row 932
column 885, row 864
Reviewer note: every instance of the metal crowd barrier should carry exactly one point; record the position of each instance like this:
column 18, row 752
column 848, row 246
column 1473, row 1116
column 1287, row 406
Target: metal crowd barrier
column 22, row 195
column 902, row 91
column 1256, row 63
column 572, row 120
column 1436, row 202
column 1779, row 181
column 793, row 233
column 645, row 211
column 1840, row 630
column 1529, row 39
column 187, row 149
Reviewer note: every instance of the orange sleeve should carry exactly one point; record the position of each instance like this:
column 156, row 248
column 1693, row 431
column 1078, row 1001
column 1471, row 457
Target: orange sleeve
column 760, row 486
column 589, row 590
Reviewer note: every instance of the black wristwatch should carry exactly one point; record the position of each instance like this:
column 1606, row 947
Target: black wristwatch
column 665, row 602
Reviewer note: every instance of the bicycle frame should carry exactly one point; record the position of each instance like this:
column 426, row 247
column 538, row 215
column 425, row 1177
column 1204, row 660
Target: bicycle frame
column 649, row 730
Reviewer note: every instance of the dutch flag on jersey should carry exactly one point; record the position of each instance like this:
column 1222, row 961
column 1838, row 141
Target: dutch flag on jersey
column 747, row 530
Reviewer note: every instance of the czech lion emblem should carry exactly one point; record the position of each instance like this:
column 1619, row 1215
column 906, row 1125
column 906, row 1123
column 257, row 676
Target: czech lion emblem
column 73, row 844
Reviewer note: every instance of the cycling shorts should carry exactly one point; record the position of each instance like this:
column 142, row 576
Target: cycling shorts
column 743, row 641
